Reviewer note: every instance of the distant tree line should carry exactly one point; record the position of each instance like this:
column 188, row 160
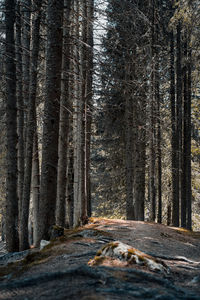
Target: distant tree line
column 149, row 70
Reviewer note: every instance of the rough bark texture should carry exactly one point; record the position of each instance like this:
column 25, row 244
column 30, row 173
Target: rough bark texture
column 184, row 152
column 30, row 129
column 48, row 185
column 129, row 158
column 64, row 122
column 152, row 157
column 176, row 204
column 78, row 125
column 20, row 104
column 140, row 154
column 188, row 173
column 90, row 42
column 11, row 125
column 26, row 39
column 173, row 124
column 84, row 109
column 35, row 186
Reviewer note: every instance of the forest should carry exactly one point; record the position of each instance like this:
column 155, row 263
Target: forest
column 99, row 107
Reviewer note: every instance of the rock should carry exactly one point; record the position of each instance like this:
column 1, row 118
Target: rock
column 44, row 243
column 130, row 255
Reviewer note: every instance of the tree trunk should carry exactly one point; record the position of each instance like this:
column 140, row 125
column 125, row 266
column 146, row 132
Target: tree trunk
column 26, row 38
column 129, row 157
column 184, row 153
column 175, row 190
column 152, row 158
column 35, row 187
column 78, row 128
column 84, row 108
column 88, row 106
column 158, row 121
column 140, row 158
column 176, row 205
column 31, row 128
column 20, row 105
column 64, row 122
column 188, row 173
column 48, row 185
column 11, row 126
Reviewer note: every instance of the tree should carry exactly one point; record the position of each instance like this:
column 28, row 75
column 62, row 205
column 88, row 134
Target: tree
column 64, row 121
column 30, row 129
column 48, row 185
column 11, row 125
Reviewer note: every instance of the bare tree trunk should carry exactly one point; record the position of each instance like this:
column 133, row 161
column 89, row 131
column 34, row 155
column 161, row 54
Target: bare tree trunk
column 140, row 158
column 26, row 38
column 11, row 125
column 88, row 106
column 188, row 173
column 158, row 121
column 31, row 129
column 129, row 157
column 48, row 185
column 184, row 152
column 152, row 157
column 35, row 186
column 78, row 128
column 20, row 105
column 64, row 122
column 176, row 205
column 175, row 191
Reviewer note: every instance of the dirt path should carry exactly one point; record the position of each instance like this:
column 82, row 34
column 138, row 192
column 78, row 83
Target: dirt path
column 61, row 270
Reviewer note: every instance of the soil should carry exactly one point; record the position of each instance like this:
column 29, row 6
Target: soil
column 61, row 270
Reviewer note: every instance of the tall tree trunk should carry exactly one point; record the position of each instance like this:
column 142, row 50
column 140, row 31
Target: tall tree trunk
column 188, row 173
column 158, row 121
column 26, row 38
column 129, row 154
column 176, row 204
column 78, row 127
column 48, row 185
column 184, row 152
column 20, row 105
column 83, row 63
column 35, row 186
column 64, row 122
column 152, row 157
column 140, row 158
column 11, row 126
column 31, row 128
column 88, row 106
column 175, row 191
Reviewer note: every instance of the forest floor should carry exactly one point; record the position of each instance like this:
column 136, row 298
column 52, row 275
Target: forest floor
column 61, row 269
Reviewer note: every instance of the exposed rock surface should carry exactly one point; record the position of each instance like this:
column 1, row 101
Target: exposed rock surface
column 61, row 270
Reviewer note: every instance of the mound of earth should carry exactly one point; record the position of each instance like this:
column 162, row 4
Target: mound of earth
column 62, row 270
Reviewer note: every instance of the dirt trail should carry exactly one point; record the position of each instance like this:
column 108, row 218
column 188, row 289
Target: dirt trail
column 61, row 271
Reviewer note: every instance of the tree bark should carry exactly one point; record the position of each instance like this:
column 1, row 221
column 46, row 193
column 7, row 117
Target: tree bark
column 20, row 105
column 11, row 125
column 130, row 215
column 88, row 106
column 176, row 203
column 175, row 191
column 188, row 173
column 78, row 127
column 48, row 185
column 152, row 158
column 64, row 122
column 31, row 128
column 35, row 186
